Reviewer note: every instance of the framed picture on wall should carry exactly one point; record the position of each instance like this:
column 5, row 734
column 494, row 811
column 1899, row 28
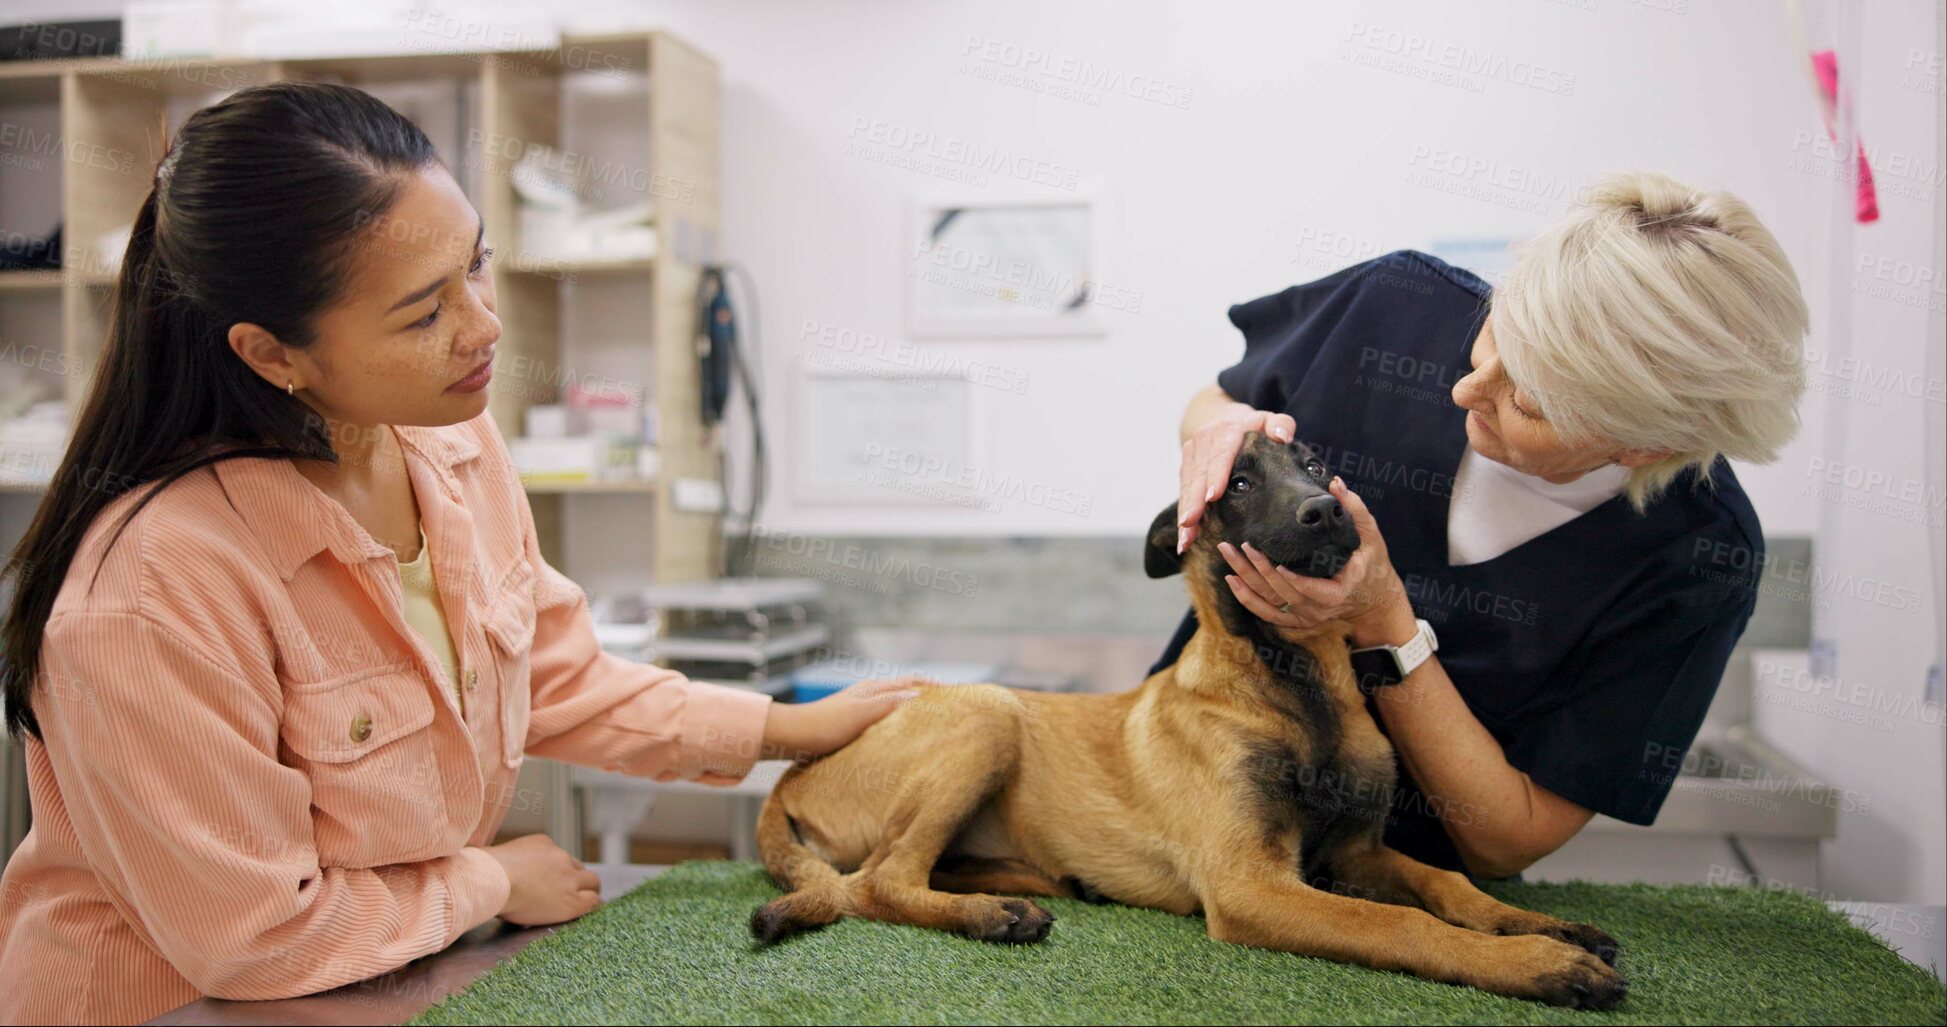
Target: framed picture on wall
column 983, row 266
column 873, row 436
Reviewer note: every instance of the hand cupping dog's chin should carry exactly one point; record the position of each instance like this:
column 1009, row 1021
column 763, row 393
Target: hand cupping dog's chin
column 1385, row 614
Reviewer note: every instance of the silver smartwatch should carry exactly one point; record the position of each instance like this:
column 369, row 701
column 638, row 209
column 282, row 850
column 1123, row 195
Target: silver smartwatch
column 1381, row 665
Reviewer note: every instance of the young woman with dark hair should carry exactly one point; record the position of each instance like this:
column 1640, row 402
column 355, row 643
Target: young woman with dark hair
column 281, row 634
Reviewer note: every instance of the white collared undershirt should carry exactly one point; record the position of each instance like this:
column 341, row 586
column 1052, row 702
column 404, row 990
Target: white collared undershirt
column 1495, row 508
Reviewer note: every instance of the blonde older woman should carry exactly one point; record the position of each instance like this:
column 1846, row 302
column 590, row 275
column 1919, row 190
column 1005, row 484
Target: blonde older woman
column 1538, row 473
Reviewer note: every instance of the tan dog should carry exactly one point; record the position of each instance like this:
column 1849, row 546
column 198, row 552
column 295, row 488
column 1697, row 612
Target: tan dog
column 1247, row 782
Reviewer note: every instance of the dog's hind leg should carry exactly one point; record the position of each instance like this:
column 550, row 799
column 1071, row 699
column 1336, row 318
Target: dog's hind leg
column 817, row 893
column 964, row 769
column 898, row 887
column 940, row 775
column 1380, row 870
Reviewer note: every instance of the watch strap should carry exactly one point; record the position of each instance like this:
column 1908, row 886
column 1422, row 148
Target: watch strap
column 1415, row 652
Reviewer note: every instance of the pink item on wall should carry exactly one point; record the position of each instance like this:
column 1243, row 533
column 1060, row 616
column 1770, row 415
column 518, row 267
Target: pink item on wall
column 1825, row 66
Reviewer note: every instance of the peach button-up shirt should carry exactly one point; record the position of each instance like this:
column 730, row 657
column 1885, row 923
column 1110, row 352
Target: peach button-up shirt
column 253, row 783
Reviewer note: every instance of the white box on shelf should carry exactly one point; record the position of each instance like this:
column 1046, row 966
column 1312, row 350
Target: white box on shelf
column 620, row 419
column 172, row 28
column 31, row 445
column 568, row 458
column 622, row 242
column 546, row 421
column 548, row 234
column 698, row 495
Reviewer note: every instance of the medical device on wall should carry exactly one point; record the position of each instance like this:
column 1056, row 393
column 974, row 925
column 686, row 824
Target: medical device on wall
column 723, row 362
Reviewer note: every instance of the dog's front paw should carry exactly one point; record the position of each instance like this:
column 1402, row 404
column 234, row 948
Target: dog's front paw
column 1015, row 921
column 1591, row 938
column 1587, row 937
column 1561, row 974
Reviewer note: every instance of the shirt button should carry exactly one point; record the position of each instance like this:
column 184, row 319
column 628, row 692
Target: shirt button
column 472, row 676
column 361, row 727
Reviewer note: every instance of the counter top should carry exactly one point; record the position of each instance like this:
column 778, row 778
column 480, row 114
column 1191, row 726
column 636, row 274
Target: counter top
column 404, row 993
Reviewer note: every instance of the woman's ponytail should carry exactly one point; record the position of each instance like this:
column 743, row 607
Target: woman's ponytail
column 251, row 217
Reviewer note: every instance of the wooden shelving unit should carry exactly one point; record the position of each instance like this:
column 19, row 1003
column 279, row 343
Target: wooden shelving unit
column 30, row 281
column 112, row 120
column 108, row 119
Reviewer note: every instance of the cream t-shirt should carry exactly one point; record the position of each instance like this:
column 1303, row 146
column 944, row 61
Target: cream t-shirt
column 426, row 616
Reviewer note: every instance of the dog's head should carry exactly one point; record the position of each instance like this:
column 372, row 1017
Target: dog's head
column 1277, row 500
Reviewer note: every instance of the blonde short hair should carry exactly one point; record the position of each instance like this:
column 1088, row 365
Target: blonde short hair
column 1657, row 316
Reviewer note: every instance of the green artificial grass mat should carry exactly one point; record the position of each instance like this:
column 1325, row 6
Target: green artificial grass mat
column 678, row 950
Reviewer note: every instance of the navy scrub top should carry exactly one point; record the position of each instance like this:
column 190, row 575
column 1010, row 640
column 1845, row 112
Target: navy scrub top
column 1590, row 652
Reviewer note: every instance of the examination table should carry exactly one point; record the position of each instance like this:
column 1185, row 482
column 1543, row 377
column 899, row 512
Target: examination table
column 677, row 950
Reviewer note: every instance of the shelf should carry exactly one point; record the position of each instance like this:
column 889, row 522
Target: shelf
column 180, row 76
column 55, row 67
column 565, row 268
column 612, row 54
column 40, row 81
column 734, row 595
column 626, row 486
column 46, row 280
column 440, row 63
column 731, row 650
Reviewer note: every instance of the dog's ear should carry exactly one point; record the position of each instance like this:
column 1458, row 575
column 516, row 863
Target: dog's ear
column 1159, row 550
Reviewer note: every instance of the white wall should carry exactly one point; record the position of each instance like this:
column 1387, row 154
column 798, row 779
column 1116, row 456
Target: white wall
column 1874, row 730
column 1283, row 139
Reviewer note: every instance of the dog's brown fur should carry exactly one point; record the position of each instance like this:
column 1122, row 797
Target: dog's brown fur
column 1247, row 782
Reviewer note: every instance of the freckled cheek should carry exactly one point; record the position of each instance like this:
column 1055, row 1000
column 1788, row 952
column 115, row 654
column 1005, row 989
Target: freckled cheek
column 425, row 355
column 1536, row 446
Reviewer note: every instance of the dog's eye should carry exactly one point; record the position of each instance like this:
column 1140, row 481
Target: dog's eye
column 1240, row 485
column 1314, row 468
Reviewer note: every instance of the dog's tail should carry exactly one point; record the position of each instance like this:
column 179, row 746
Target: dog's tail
column 816, row 893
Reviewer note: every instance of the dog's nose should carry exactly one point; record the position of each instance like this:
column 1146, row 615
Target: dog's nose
column 1320, row 512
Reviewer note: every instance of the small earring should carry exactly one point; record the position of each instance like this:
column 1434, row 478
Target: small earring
column 290, row 388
